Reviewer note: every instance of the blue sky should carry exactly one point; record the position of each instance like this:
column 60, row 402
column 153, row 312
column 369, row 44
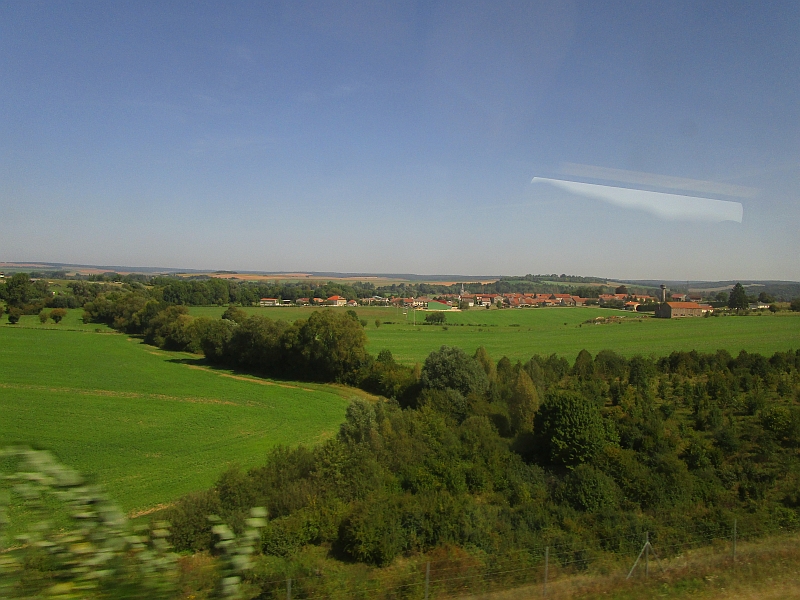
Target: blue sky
column 402, row 137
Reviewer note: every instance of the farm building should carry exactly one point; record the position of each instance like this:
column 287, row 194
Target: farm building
column 672, row 310
column 268, row 302
column 336, row 301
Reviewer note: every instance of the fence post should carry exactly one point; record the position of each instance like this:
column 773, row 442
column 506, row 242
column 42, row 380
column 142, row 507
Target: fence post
column 288, row 588
column 546, row 567
column 646, row 554
column 734, row 540
column 427, row 578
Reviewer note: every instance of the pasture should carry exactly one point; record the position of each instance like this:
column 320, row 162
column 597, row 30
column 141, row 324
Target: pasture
column 148, row 425
column 520, row 333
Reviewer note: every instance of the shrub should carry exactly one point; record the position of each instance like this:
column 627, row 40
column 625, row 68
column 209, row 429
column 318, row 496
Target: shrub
column 190, row 528
column 435, row 318
column 588, row 489
column 57, row 314
column 373, row 533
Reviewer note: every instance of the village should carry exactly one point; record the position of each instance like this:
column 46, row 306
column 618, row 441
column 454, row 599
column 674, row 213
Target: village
column 678, row 305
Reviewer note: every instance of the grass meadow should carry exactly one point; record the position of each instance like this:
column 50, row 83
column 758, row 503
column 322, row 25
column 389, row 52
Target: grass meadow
column 148, row 425
column 520, row 333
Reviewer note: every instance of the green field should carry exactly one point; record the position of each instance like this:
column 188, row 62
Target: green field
column 520, row 333
column 142, row 422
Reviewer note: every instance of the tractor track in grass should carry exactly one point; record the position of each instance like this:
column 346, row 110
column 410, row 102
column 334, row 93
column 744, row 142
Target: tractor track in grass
column 116, row 394
column 250, row 379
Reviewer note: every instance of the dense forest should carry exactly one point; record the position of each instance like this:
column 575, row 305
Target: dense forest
column 500, row 457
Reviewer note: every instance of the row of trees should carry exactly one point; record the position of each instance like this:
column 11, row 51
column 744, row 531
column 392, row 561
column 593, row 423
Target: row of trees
column 24, row 296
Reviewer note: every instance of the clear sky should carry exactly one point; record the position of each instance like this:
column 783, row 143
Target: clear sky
column 404, row 137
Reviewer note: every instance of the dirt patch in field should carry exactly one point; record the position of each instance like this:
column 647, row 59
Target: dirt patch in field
column 293, row 276
column 149, row 511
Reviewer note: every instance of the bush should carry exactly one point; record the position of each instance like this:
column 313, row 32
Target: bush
column 588, row 489
column 435, row 318
column 57, row 314
column 190, row 527
column 374, row 533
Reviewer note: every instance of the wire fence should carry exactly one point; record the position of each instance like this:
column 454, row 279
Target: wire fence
column 444, row 577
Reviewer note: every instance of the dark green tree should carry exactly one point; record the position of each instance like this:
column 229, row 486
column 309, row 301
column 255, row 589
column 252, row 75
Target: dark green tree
column 452, row 368
column 738, row 297
column 569, row 429
column 19, row 290
column 482, row 356
column 766, row 298
column 329, row 346
column 584, row 366
column 435, row 318
column 23, row 293
column 235, row 314
column 642, row 371
column 795, row 305
column 523, row 403
column 214, row 336
column 57, row 314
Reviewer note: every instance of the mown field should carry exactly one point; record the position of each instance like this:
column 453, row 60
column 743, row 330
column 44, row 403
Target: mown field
column 144, row 423
column 520, row 333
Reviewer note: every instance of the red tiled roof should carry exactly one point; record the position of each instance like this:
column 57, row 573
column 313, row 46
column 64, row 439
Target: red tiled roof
column 683, row 304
